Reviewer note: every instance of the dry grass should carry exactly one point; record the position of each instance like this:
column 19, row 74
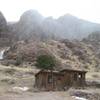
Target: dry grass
column 15, row 76
column 93, row 76
column 24, row 77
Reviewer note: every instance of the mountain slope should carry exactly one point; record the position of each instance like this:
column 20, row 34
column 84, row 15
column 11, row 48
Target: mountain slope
column 74, row 54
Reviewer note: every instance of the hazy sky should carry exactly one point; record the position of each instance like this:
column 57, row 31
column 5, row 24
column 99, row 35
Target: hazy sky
column 85, row 9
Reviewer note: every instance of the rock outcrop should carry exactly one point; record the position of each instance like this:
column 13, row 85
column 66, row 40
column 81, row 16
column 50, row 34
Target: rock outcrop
column 6, row 35
column 3, row 22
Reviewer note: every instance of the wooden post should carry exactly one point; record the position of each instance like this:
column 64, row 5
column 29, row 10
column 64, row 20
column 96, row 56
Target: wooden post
column 52, row 78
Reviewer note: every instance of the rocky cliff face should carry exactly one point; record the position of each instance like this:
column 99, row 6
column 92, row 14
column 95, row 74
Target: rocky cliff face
column 3, row 22
column 3, row 27
column 6, row 35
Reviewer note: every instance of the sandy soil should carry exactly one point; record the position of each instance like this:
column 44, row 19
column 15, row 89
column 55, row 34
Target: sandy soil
column 12, row 76
column 38, row 96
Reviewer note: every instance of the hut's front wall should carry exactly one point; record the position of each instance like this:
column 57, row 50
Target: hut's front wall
column 41, row 80
column 53, row 81
column 48, row 81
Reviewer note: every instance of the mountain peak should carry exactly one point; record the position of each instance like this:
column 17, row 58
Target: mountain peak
column 68, row 15
column 31, row 14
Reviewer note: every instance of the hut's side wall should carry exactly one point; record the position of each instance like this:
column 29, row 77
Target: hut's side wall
column 72, row 78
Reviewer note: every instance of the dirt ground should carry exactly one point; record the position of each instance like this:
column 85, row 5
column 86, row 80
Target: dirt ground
column 14, row 79
column 38, row 96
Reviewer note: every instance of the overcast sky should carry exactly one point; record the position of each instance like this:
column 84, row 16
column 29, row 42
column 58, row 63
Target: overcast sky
column 85, row 9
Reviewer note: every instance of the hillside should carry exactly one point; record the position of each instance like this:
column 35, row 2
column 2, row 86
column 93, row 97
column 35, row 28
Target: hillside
column 74, row 54
column 94, row 40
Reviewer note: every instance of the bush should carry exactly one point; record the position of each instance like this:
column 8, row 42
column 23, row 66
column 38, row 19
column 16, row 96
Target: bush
column 45, row 62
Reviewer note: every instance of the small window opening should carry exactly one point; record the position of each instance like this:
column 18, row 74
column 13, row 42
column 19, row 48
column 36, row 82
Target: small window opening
column 79, row 76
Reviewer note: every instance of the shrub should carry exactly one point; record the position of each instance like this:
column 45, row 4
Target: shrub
column 45, row 62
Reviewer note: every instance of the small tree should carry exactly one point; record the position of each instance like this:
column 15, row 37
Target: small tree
column 46, row 62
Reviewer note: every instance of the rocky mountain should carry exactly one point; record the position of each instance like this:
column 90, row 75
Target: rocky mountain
column 28, row 25
column 33, row 25
column 3, row 22
column 77, row 28
column 26, row 39
column 3, row 31
column 6, row 34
